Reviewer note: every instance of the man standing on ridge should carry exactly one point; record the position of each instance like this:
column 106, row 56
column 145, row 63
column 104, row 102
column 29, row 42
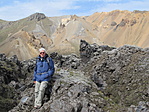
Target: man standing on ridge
column 43, row 72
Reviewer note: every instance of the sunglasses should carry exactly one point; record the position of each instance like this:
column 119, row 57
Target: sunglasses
column 42, row 52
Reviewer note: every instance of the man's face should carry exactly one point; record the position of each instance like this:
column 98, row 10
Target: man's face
column 42, row 53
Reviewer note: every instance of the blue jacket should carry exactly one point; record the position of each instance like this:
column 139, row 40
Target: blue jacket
column 43, row 70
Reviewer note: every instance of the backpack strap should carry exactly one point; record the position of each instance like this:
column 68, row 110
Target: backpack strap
column 37, row 59
column 48, row 60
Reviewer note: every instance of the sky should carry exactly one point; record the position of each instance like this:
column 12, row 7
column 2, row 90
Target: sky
column 12, row 10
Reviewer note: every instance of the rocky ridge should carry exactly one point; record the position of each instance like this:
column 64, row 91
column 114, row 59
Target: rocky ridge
column 102, row 79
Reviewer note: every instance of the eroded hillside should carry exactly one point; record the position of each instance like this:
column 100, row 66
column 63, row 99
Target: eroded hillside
column 63, row 34
column 118, row 28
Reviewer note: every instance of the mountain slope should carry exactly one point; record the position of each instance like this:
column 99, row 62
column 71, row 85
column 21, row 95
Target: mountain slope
column 63, row 34
column 117, row 28
column 24, row 37
column 69, row 33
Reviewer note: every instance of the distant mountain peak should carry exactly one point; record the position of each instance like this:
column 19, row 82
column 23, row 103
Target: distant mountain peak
column 63, row 33
column 37, row 16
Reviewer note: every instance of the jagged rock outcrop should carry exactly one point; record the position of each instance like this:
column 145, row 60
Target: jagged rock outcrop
column 122, row 74
column 110, row 79
column 66, row 61
column 9, row 79
column 88, row 51
column 37, row 16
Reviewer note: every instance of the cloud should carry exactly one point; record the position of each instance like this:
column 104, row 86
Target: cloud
column 95, row 0
column 18, row 9
column 105, row 0
column 125, row 5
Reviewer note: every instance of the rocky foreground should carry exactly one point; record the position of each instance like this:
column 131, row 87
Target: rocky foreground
column 102, row 79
